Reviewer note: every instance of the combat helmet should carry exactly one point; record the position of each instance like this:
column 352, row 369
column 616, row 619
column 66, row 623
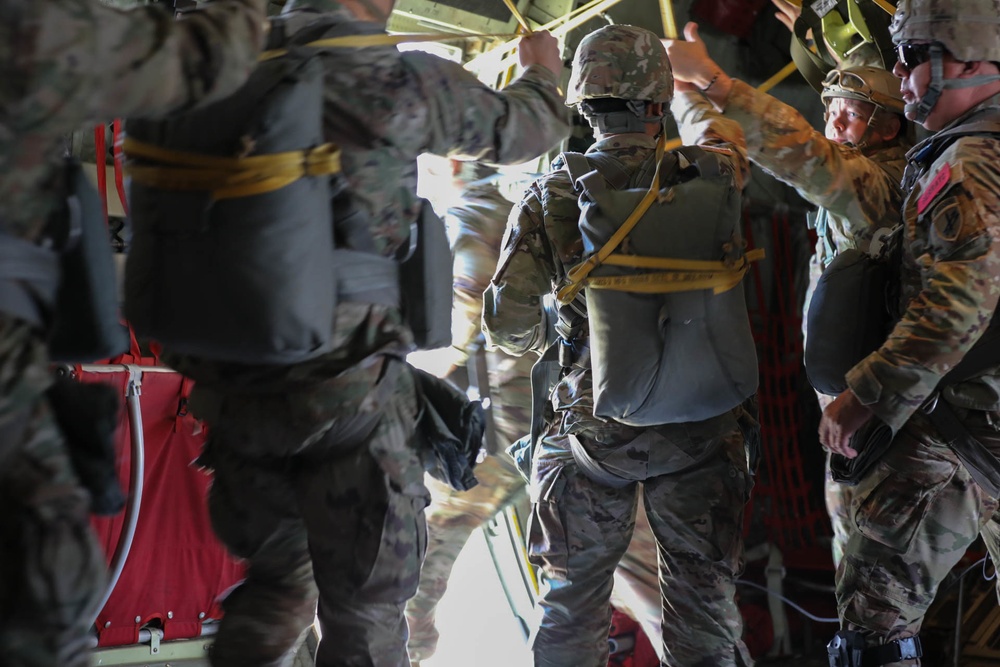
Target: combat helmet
column 621, row 61
column 867, row 84
column 968, row 29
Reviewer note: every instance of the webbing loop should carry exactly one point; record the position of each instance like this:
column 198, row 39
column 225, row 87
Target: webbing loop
column 225, row 177
column 678, row 275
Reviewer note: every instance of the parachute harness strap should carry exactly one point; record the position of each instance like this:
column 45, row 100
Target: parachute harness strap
column 225, row 177
column 671, row 275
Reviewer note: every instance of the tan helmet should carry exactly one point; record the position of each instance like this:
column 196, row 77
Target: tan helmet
column 868, row 84
column 969, row 29
column 621, row 61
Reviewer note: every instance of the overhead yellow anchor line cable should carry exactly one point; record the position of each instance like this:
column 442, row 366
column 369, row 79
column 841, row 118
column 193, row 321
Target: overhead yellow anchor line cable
column 667, row 16
column 517, row 16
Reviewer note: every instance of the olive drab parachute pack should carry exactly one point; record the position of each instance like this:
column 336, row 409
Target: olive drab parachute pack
column 664, row 257
column 233, row 255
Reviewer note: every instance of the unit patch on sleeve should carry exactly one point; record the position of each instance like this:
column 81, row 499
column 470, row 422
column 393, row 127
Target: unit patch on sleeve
column 948, row 221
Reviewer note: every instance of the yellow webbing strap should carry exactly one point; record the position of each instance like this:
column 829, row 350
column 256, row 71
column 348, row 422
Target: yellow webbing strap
column 382, row 39
column 678, row 275
column 667, row 18
column 521, row 21
column 578, row 274
column 227, row 178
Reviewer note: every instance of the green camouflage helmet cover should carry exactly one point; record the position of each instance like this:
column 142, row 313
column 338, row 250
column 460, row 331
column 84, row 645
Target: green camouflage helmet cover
column 969, row 29
column 868, row 84
column 621, row 61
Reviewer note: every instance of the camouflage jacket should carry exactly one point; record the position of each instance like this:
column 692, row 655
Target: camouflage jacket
column 67, row 63
column 950, row 277
column 543, row 242
column 857, row 192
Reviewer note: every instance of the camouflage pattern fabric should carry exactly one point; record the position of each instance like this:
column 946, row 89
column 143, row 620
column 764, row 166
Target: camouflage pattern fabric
column 915, row 515
column 580, row 529
column 617, row 61
column 383, row 108
column 67, row 63
column 52, row 571
column 950, row 264
column 857, row 192
column 919, row 510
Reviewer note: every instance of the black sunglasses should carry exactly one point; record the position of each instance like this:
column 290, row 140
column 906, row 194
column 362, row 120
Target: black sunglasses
column 912, row 55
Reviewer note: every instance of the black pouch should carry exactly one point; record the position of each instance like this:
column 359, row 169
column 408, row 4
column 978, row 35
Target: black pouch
column 426, row 282
column 848, row 318
column 87, row 414
column 87, row 324
column 870, row 442
column 450, row 431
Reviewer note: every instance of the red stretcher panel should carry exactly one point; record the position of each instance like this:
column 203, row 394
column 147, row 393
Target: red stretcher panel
column 176, row 569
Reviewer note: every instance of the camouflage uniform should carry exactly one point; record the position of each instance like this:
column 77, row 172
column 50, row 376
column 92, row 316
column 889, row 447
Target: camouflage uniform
column 918, row 510
column 317, row 480
column 857, row 192
column 580, row 528
column 476, row 224
column 67, row 63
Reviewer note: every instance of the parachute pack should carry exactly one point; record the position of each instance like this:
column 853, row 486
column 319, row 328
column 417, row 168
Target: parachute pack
column 669, row 335
column 235, row 208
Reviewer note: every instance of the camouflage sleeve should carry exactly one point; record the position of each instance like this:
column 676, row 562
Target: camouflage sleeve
column 953, row 229
column 86, row 62
column 468, row 119
column 835, row 177
column 513, row 317
column 476, row 247
column 701, row 125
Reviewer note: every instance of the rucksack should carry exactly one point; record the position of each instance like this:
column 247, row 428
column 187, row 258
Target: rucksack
column 233, row 255
column 669, row 334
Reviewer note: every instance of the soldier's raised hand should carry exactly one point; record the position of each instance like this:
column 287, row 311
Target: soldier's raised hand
column 540, row 48
column 689, row 58
column 787, row 13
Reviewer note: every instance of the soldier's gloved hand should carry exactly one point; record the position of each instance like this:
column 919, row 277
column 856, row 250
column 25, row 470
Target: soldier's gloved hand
column 840, row 420
column 540, row 48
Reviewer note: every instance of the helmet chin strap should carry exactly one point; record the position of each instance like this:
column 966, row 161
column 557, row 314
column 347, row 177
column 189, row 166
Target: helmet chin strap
column 938, row 84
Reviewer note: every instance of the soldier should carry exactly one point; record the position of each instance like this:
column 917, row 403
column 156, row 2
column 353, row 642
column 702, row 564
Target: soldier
column 475, row 224
column 926, row 500
column 852, row 173
column 580, row 527
column 68, row 63
column 318, row 480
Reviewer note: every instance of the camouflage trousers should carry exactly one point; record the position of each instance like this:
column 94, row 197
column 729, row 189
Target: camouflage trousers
column 912, row 518
column 336, row 517
column 52, row 571
column 451, row 518
column 581, row 528
column 838, row 505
